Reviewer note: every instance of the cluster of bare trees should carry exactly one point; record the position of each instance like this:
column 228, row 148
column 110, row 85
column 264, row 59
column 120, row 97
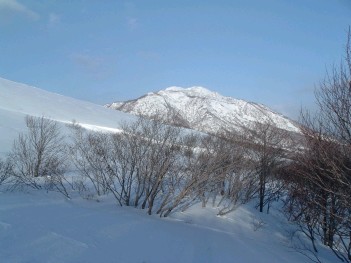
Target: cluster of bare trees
column 148, row 165
column 319, row 181
column 268, row 148
column 162, row 168
column 137, row 166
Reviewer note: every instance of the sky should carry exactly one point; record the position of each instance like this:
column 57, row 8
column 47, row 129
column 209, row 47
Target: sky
column 273, row 52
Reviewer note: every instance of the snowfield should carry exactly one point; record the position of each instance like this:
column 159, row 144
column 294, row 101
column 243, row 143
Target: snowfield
column 38, row 226
column 44, row 227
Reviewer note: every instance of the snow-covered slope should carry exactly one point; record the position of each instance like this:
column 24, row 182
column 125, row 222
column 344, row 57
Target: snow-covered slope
column 203, row 110
column 18, row 100
column 43, row 227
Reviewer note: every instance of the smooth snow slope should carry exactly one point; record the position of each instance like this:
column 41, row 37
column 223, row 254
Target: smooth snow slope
column 43, row 227
column 18, row 100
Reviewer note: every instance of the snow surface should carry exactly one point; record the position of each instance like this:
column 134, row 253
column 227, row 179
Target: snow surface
column 36, row 226
column 44, row 227
column 205, row 110
column 18, row 100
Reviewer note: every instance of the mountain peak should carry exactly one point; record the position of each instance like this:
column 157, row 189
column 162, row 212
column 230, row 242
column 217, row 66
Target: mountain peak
column 201, row 109
column 192, row 91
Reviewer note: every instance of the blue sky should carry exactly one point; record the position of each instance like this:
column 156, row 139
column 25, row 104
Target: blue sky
column 272, row 52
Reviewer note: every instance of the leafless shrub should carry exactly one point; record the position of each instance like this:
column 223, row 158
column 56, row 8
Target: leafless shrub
column 160, row 144
column 87, row 151
column 267, row 148
column 137, row 165
column 227, row 179
column 5, row 171
column 211, row 170
column 319, row 186
column 38, row 157
column 299, row 245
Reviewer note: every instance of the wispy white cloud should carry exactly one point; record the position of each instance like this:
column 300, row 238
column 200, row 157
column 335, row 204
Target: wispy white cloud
column 15, row 6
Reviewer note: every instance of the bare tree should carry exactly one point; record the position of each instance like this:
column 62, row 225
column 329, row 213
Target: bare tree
column 161, row 144
column 212, row 169
column 137, row 165
column 39, row 155
column 88, row 150
column 223, row 163
column 5, row 170
column 184, row 181
column 316, row 193
column 319, row 194
column 267, row 146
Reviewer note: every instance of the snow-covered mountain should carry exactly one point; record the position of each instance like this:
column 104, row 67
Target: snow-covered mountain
column 201, row 109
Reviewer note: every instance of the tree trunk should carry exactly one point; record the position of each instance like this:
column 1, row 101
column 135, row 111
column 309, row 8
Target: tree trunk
column 262, row 191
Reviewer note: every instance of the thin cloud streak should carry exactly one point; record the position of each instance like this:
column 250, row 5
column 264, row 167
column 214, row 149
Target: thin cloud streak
column 15, row 6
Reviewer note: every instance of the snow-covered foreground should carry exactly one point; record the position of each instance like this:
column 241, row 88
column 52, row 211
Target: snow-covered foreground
column 36, row 226
column 44, row 227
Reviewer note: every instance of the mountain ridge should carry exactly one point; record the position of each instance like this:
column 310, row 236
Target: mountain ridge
column 204, row 110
